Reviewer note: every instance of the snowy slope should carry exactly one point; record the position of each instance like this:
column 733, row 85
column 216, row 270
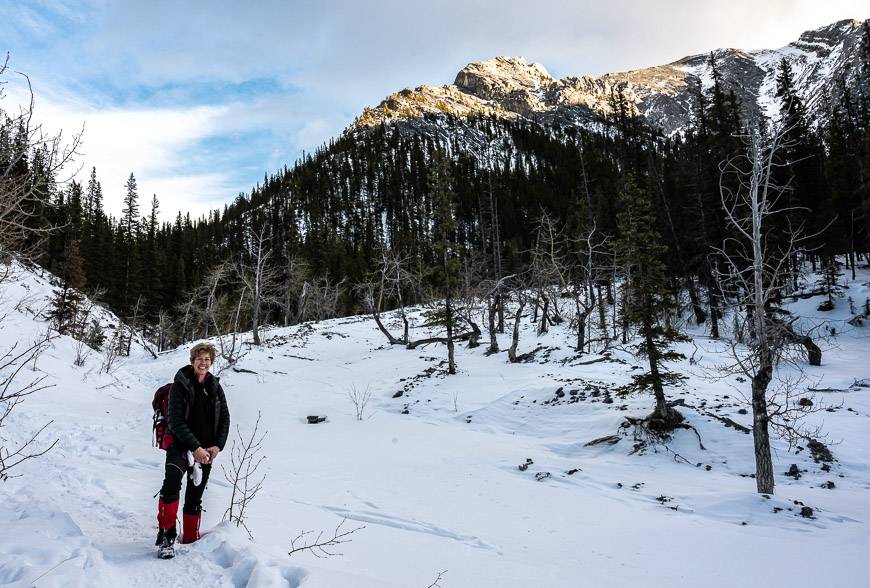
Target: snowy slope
column 439, row 488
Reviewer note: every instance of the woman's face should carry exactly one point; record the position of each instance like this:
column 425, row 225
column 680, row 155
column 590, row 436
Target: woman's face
column 201, row 364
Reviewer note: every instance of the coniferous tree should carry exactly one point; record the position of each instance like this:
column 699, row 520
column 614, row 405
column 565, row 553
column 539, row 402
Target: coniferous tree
column 153, row 266
column 128, row 233
column 441, row 186
column 66, row 301
column 639, row 251
column 802, row 171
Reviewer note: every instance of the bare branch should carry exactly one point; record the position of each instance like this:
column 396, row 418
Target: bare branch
column 321, row 546
column 245, row 460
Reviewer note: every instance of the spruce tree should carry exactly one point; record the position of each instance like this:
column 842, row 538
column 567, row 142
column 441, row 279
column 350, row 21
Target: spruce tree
column 441, row 186
column 640, row 251
column 153, row 264
column 803, row 171
column 128, row 236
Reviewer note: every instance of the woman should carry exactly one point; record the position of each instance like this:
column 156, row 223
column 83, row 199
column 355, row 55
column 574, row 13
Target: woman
column 199, row 419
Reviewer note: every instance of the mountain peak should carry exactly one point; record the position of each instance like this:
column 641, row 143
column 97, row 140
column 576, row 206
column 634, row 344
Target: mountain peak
column 512, row 87
column 497, row 78
column 823, row 39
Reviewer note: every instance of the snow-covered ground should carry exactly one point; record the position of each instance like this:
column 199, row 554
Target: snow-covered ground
column 437, row 488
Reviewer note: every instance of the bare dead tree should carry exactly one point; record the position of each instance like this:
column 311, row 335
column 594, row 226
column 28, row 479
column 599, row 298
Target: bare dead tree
column 207, row 295
column 186, row 310
column 520, row 297
column 322, row 546
column 133, row 323
column 229, row 337
column 319, row 299
column 197, row 310
column 548, row 271
column 385, row 286
column 296, row 273
column 14, row 389
column 757, row 262
column 245, row 460
column 164, row 329
column 494, row 297
column 110, row 355
column 470, row 294
column 592, row 246
column 84, row 329
column 261, row 278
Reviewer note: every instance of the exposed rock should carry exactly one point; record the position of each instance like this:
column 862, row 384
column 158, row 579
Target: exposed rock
column 499, row 78
column 511, row 87
column 820, row 452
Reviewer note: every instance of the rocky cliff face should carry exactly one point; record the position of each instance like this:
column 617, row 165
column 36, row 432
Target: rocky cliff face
column 510, row 87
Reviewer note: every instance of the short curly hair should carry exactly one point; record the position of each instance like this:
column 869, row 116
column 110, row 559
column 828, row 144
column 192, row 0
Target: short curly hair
column 201, row 348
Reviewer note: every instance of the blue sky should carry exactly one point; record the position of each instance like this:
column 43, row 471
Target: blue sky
column 200, row 98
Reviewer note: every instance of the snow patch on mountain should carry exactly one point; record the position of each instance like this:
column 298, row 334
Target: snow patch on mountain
column 510, row 87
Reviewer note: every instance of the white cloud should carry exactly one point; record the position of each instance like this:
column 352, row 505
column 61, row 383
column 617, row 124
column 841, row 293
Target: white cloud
column 156, row 145
column 152, row 144
column 196, row 193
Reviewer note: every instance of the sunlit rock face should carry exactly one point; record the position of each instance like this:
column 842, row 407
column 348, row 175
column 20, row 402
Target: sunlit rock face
column 822, row 61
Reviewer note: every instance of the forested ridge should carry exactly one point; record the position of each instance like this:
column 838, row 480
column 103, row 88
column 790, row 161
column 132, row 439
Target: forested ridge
column 326, row 223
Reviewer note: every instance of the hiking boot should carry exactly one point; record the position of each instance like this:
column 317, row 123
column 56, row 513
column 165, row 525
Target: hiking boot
column 166, row 543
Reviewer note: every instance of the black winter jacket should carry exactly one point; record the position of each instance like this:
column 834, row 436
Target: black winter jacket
column 181, row 395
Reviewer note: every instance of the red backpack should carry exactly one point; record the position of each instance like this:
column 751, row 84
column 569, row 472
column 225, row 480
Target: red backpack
column 163, row 438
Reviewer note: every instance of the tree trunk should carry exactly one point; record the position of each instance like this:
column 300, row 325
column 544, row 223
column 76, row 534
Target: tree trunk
column 814, row 354
column 714, row 313
column 448, row 310
column 602, row 317
column 493, row 341
column 383, row 329
column 544, row 314
column 255, row 319
column 760, row 434
column 474, row 335
column 700, row 315
column 451, row 362
column 661, row 410
column 515, row 340
column 581, row 329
